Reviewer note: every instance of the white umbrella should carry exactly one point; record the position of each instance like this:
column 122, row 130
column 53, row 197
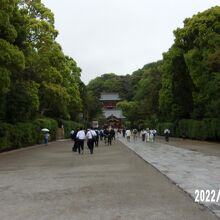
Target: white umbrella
column 45, row 129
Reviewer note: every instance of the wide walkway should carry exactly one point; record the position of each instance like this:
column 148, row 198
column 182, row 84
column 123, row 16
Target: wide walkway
column 205, row 147
column 51, row 182
column 189, row 164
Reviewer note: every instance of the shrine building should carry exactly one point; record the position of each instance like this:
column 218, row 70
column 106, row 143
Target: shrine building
column 113, row 116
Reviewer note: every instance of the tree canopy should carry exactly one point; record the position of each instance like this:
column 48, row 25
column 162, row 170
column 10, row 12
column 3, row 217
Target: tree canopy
column 36, row 78
column 184, row 85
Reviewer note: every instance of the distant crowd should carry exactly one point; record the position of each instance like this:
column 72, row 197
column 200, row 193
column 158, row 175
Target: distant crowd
column 108, row 134
column 93, row 136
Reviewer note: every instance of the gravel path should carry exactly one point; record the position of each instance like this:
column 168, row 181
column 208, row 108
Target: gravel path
column 50, row 183
column 205, row 147
column 193, row 171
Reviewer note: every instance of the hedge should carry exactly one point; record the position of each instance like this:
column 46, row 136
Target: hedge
column 49, row 123
column 25, row 134
column 206, row 129
column 162, row 126
column 69, row 125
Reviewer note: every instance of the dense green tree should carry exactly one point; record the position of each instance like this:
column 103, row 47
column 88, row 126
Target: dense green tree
column 191, row 75
column 176, row 99
column 199, row 40
column 54, row 100
column 93, row 107
column 33, row 62
column 110, row 82
column 130, row 111
column 37, row 78
column 22, row 101
column 74, row 87
column 182, row 87
column 148, row 87
column 11, row 58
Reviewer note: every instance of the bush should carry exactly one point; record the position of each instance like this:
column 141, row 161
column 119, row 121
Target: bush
column 25, row 134
column 68, row 126
column 49, row 123
column 207, row 129
column 162, row 126
column 5, row 133
column 29, row 133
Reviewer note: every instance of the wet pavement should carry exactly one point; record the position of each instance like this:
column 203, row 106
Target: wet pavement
column 189, row 164
column 51, row 182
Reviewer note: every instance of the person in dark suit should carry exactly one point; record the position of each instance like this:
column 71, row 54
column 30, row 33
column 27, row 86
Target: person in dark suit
column 75, row 145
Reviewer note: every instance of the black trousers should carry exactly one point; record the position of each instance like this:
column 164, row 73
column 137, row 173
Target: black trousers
column 97, row 141
column 167, row 137
column 143, row 137
column 80, row 145
column 109, row 140
column 90, row 144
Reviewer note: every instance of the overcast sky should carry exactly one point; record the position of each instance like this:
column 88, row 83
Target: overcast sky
column 119, row 36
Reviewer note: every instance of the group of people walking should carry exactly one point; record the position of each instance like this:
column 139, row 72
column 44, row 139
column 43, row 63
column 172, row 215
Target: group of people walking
column 107, row 134
column 148, row 135
column 92, row 136
column 145, row 134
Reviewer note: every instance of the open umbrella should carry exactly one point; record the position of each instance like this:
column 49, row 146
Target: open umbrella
column 45, row 129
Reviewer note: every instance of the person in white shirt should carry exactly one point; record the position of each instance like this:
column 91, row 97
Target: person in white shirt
column 147, row 134
column 91, row 136
column 128, row 134
column 134, row 132
column 80, row 138
column 151, row 136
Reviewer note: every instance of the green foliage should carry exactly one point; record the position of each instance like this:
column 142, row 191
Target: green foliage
column 48, row 123
column 22, row 101
column 33, row 63
column 92, row 106
column 11, row 58
column 8, row 31
column 25, row 134
column 199, row 41
column 176, row 99
column 142, row 86
column 162, row 126
column 147, row 92
column 182, row 87
column 5, row 140
column 54, row 100
column 191, row 77
column 165, row 93
column 112, row 83
column 69, row 125
column 207, row 129
column 130, row 111
column 36, row 78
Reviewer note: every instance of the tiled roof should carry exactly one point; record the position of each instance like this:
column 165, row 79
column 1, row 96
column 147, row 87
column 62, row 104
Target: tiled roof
column 109, row 96
column 116, row 113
